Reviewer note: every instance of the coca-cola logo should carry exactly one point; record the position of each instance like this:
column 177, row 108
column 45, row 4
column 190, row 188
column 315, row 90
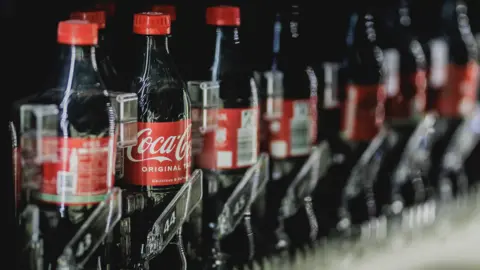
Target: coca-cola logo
column 160, row 148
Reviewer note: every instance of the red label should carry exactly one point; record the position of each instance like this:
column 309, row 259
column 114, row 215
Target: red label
column 458, row 98
column 410, row 99
column 83, row 173
column 235, row 141
column 162, row 156
column 290, row 135
column 363, row 112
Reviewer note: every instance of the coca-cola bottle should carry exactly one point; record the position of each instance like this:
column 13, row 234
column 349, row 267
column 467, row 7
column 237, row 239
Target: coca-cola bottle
column 233, row 147
column 107, row 70
column 331, row 77
column 287, row 113
column 474, row 15
column 82, row 175
column 176, row 47
column 160, row 162
column 105, row 64
column 457, row 95
column 109, row 7
column 169, row 10
column 235, row 144
column 362, row 113
column 404, row 69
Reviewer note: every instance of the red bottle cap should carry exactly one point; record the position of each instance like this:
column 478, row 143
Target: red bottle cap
column 76, row 32
column 223, row 16
column 108, row 7
column 94, row 16
column 166, row 9
column 151, row 23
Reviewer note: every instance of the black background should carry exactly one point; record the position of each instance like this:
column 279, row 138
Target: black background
column 28, row 38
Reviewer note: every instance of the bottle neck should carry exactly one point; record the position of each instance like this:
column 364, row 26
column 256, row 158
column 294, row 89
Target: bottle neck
column 227, row 56
column 365, row 57
column 290, row 53
column 148, row 48
column 78, row 69
column 154, row 67
column 153, row 45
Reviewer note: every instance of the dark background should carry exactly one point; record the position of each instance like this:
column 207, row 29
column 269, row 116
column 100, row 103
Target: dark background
column 28, row 31
column 28, row 38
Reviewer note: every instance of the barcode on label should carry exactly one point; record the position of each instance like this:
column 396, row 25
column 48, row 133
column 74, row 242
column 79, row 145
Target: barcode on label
column 66, row 183
column 299, row 136
column 246, row 146
column 299, row 128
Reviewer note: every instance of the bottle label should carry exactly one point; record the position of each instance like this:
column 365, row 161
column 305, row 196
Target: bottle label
column 363, row 112
column 290, row 135
column 162, row 154
column 459, row 96
column 235, row 141
column 83, row 172
column 410, row 99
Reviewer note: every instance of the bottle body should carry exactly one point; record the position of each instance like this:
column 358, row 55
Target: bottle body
column 234, row 143
column 362, row 100
column 81, row 177
column 232, row 147
column 288, row 117
column 160, row 163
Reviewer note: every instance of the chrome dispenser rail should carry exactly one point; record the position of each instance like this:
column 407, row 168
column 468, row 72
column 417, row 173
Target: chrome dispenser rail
column 363, row 175
column 92, row 233
column 173, row 217
column 415, row 162
column 125, row 106
column 463, row 142
column 37, row 123
column 252, row 183
column 87, row 239
column 299, row 192
column 274, row 87
column 237, row 206
column 427, row 236
column 205, row 97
